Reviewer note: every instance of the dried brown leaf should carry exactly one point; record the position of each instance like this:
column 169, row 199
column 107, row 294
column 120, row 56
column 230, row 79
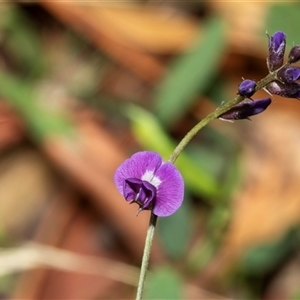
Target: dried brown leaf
column 83, row 19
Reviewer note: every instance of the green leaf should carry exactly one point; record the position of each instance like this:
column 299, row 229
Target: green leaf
column 263, row 258
column 283, row 17
column 201, row 254
column 164, row 283
column 190, row 74
column 175, row 231
column 23, row 42
column 296, row 295
column 217, row 92
column 217, row 154
column 41, row 121
column 151, row 135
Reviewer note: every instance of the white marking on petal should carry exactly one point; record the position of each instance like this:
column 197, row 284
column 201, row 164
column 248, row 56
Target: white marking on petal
column 156, row 181
column 148, row 175
column 151, row 178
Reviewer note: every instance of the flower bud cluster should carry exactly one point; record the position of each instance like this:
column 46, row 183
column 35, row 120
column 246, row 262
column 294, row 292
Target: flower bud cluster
column 286, row 81
column 248, row 107
column 287, row 84
column 145, row 179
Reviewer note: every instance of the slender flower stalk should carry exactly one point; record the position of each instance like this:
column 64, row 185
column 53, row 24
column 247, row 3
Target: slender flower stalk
column 215, row 114
column 188, row 137
column 146, row 256
column 158, row 186
column 145, row 179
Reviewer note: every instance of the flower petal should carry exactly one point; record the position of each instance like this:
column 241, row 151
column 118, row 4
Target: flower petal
column 288, row 90
column 246, row 109
column 170, row 192
column 136, row 166
column 131, row 188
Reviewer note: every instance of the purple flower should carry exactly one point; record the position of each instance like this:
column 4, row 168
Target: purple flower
column 294, row 54
column 287, row 90
column 246, row 109
column 289, row 74
column 151, row 183
column 247, row 88
column 277, row 44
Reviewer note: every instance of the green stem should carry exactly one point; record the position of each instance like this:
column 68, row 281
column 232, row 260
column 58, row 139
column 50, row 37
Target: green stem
column 188, row 137
column 146, row 256
column 215, row 114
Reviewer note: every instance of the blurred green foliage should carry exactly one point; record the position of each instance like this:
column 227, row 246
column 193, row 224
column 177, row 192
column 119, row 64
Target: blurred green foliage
column 175, row 231
column 277, row 20
column 164, row 283
column 152, row 136
column 264, row 258
column 210, row 165
column 41, row 121
column 190, row 74
column 20, row 34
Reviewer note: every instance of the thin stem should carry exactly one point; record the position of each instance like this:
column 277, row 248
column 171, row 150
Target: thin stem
column 215, row 114
column 146, row 256
column 188, row 137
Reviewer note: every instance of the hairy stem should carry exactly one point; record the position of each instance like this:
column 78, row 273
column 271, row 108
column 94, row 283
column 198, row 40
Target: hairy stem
column 182, row 144
column 146, row 256
column 215, row 114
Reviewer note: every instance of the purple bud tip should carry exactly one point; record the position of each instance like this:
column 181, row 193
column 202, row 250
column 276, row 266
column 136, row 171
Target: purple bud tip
column 246, row 109
column 289, row 74
column 277, row 44
column 247, row 88
column 287, row 90
column 294, row 54
column 151, row 183
column 277, row 40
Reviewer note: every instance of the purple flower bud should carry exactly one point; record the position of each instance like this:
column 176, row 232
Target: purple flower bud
column 287, row 90
column 247, row 88
column 289, row 74
column 151, row 183
column 294, row 54
column 246, row 109
column 277, row 44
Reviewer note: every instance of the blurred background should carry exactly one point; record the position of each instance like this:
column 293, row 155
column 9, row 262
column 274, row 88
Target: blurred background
column 85, row 84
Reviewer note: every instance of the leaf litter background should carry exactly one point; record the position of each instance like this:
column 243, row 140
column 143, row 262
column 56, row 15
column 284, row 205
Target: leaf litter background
column 86, row 84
